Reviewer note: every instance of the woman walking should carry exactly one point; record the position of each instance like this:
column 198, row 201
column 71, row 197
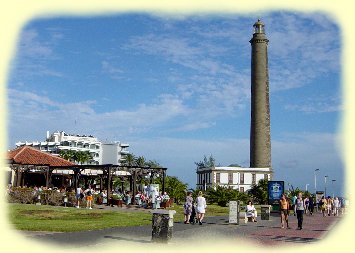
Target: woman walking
column 188, row 207
column 88, row 193
column 311, row 205
column 200, row 207
column 323, row 203
column 329, row 205
column 300, row 206
column 284, row 209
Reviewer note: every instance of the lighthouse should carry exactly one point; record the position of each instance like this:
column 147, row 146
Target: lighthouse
column 260, row 143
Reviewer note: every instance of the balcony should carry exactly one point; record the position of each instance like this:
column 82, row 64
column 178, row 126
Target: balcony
column 124, row 152
column 124, row 145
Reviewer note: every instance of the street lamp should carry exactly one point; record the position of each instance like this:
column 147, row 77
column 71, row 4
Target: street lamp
column 325, row 186
column 333, row 180
column 315, row 181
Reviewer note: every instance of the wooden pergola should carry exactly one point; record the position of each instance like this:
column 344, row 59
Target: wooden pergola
column 24, row 161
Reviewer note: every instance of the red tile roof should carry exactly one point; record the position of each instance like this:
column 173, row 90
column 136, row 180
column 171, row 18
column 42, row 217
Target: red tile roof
column 29, row 155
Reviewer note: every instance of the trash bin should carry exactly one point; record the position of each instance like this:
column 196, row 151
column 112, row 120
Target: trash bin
column 265, row 212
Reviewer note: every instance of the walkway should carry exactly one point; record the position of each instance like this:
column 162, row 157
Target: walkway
column 263, row 232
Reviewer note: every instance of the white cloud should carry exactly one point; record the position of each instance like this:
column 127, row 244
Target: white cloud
column 33, row 55
column 113, row 71
column 294, row 157
column 319, row 104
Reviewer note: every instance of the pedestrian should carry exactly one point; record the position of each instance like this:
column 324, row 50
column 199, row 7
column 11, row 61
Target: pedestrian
column 329, row 205
column 323, row 203
column 200, row 207
column 336, row 205
column 88, row 193
column 79, row 195
column 306, row 205
column 284, row 209
column 342, row 205
column 294, row 204
column 104, row 197
column 311, row 205
column 300, row 206
column 188, row 207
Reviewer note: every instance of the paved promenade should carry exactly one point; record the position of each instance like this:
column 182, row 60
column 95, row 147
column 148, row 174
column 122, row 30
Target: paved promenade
column 263, row 232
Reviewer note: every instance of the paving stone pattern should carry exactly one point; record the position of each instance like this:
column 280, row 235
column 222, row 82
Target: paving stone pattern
column 264, row 232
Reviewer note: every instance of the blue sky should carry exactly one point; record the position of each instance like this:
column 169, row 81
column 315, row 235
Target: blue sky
column 177, row 88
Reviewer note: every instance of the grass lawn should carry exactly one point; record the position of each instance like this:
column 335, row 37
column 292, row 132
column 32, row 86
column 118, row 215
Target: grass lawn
column 211, row 210
column 59, row 219
column 50, row 218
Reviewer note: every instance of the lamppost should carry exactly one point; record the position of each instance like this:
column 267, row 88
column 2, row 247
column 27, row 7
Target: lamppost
column 325, row 186
column 307, row 187
column 333, row 180
column 315, row 181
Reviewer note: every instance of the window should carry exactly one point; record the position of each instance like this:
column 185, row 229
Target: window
column 266, row 177
column 230, row 178
column 241, row 178
column 241, row 189
column 218, row 178
column 253, row 180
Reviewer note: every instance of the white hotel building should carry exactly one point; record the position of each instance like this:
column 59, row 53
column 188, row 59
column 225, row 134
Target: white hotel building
column 102, row 153
column 238, row 178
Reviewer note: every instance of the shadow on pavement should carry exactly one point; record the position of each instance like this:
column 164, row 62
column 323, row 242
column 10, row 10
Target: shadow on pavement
column 126, row 239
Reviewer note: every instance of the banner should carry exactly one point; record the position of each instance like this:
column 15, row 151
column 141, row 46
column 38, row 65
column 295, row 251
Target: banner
column 275, row 190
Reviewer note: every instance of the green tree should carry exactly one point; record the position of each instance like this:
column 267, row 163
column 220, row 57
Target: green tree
column 293, row 192
column 76, row 156
column 176, row 189
column 140, row 161
column 222, row 195
column 207, row 162
column 67, row 154
column 130, row 160
column 258, row 192
column 153, row 164
column 82, row 156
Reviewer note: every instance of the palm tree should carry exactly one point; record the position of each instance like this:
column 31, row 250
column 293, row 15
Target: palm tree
column 153, row 164
column 140, row 161
column 175, row 189
column 83, row 156
column 67, row 154
column 130, row 160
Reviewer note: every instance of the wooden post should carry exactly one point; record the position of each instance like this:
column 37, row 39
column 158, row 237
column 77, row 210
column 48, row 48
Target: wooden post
column 101, row 177
column 76, row 178
column 130, row 183
column 108, row 184
column 18, row 177
column 163, row 182
column 134, row 187
column 47, row 178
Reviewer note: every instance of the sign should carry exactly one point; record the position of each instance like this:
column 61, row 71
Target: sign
column 233, row 212
column 275, row 189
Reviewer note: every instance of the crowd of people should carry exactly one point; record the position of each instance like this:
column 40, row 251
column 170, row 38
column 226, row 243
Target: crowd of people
column 148, row 198
column 308, row 205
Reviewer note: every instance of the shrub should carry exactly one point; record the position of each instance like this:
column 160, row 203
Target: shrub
column 47, row 197
column 21, row 195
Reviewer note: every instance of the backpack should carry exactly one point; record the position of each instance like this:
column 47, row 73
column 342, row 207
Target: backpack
column 88, row 193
